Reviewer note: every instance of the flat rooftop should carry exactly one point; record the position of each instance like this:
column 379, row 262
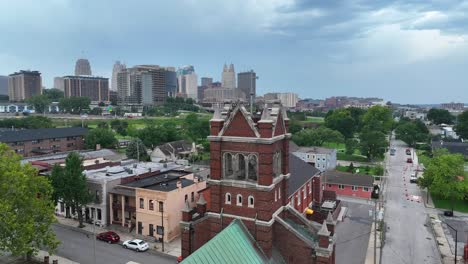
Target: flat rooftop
column 165, row 182
column 124, row 171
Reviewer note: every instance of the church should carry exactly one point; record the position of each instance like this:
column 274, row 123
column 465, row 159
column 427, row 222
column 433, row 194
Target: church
column 246, row 215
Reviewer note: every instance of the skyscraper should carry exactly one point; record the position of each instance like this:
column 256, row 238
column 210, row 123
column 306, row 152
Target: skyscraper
column 82, row 67
column 206, row 81
column 23, row 85
column 228, row 77
column 246, row 82
column 145, row 85
column 118, row 67
column 58, row 83
column 188, row 82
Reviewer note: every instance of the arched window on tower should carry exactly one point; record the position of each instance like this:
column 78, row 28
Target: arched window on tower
column 228, row 169
column 252, row 171
column 241, row 170
column 228, row 198
column 277, row 164
column 239, row 200
column 251, row 202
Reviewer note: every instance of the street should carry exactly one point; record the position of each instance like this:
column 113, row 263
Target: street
column 409, row 238
column 78, row 247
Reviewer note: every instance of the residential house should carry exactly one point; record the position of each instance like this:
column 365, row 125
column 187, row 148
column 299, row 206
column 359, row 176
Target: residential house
column 153, row 205
column 349, row 184
column 181, row 149
column 321, row 158
column 33, row 142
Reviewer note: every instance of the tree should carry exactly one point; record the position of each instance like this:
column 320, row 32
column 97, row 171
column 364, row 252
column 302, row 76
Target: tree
column 377, row 118
column 74, row 104
column 119, row 126
column 70, row 185
column 462, row 125
column 102, row 136
column 441, row 177
column 195, row 128
column 412, row 132
column 53, row 94
column 341, row 121
column 317, row 136
column 372, row 143
column 30, row 122
column 39, row 102
column 26, row 208
column 96, row 111
column 440, row 116
column 137, row 150
column 351, row 145
column 101, row 104
column 294, row 126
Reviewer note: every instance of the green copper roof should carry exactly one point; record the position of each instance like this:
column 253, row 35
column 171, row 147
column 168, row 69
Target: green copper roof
column 232, row 245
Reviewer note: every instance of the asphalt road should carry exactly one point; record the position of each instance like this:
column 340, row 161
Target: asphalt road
column 353, row 234
column 78, row 247
column 409, row 238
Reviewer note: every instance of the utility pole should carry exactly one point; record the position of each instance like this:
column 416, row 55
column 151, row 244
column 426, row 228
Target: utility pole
column 162, row 225
column 94, row 233
column 375, row 231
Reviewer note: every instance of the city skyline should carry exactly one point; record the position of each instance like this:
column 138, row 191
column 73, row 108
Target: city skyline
column 403, row 52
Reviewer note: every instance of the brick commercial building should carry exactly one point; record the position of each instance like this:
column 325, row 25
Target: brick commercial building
column 23, row 85
column 96, row 88
column 33, row 142
column 249, row 169
column 348, row 184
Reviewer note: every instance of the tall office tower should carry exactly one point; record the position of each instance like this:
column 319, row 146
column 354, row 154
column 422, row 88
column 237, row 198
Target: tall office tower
column 228, row 77
column 206, row 81
column 96, row 88
column 58, row 83
column 118, row 67
column 82, row 67
column 145, row 85
column 187, row 82
column 3, row 85
column 246, row 82
column 23, row 85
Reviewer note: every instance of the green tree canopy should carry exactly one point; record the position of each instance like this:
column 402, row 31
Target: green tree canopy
column 440, row 116
column 26, row 208
column 378, row 118
column 70, row 185
column 341, row 121
column 294, row 126
column 442, row 177
column 102, row 136
column 317, row 136
column 30, row 122
column 53, row 94
column 196, row 128
column 412, row 132
column 39, row 102
column 74, row 104
column 373, row 143
column 137, row 150
column 462, row 125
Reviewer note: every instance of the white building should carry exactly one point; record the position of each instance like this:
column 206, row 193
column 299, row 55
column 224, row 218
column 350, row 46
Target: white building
column 228, row 77
column 187, row 82
column 288, row 100
column 321, row 158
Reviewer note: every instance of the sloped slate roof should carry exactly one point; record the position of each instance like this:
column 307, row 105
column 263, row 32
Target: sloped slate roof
column 301, row 172
column 232, row 245
column 41, row 133
column 345, row 178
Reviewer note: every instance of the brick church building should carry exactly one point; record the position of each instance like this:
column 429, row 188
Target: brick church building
column 247, row 217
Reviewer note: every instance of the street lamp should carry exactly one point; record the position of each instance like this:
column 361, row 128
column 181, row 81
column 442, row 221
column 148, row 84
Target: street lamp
column 456, row 238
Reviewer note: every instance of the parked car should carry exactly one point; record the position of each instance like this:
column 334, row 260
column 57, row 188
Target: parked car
column 408, row 151
column 413, row 178
column 179, row 259
column 392, row 152
column 109, row 237
column 136, row 244
column 409, row 160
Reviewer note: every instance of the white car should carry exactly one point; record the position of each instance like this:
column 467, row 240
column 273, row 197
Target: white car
column 413, row 178
column 136, row 244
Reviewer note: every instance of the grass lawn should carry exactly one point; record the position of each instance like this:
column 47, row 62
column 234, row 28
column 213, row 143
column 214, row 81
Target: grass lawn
column 354, row 157
column 338, row 146
column 314, row 119
column 459, row 205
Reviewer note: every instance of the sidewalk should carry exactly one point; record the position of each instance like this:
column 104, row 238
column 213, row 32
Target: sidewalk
column 40, row 257
column 370, row 247
column 172, row 248
column 442, row 242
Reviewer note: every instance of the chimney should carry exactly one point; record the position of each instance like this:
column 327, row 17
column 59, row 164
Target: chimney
column 98, row 146
column 331, row 223
column 179, row 184
column 187, row 213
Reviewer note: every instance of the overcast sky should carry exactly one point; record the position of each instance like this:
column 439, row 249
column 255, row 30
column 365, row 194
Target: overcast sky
column 404, row 51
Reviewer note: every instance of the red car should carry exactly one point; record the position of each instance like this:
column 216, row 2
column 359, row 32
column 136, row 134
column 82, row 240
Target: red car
column 409, row 160
column 109, row 237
